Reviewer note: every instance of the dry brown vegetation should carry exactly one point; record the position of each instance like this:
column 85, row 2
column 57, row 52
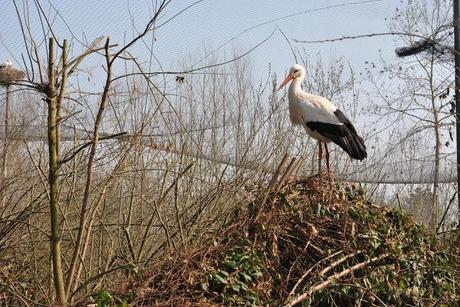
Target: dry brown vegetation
column 300, row 247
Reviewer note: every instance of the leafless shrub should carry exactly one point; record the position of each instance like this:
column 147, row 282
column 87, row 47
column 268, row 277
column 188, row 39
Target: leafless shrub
column 150, row 165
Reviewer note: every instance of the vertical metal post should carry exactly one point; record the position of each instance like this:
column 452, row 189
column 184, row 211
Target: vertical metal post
column 457, row 93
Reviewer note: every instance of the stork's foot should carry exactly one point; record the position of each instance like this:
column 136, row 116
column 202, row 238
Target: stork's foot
column 320, row 182
column 326, row 190
column 331, row 181
column 331, row 187
column 320, row 187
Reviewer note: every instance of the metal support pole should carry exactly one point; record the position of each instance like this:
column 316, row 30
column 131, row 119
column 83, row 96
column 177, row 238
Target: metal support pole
column 457, row 94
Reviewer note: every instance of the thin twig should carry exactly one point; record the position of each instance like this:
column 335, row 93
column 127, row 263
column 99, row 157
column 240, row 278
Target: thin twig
column 304, row 275
column 333, row 278
column 369, row 35
column 445, row 212
column 336, row 263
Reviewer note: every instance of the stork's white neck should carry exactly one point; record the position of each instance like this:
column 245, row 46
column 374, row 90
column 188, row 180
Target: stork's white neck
column 296, row 92
column 296, row 85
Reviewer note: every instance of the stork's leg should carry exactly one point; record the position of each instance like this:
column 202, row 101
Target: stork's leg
column 319, row 164
column 329, row 173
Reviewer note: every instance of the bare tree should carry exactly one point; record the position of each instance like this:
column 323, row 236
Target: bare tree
column 425, row 99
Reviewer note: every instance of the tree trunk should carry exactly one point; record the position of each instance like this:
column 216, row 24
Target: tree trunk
column 53, row 141
column 437, row 150
column 5, row 151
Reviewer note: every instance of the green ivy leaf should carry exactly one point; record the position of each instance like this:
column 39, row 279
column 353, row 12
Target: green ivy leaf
column 402, row 283
column 221, row 279
column 246, row 277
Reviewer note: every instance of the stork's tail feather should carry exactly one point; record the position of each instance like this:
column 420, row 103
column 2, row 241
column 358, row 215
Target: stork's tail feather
column 353, row 144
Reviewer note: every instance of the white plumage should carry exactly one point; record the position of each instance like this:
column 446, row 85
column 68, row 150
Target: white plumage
column 305, row 107
column 321, row 118
column 7, row 64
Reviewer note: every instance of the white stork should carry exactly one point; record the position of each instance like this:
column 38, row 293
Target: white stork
column 7, row 64
column 321, row 119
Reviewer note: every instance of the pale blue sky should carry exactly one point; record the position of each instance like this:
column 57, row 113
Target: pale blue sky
column 212, row 22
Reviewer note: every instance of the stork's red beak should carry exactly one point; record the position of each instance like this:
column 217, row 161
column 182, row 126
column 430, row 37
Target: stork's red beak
column 286, row 80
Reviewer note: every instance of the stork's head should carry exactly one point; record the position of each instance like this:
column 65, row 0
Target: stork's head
column 296, row 72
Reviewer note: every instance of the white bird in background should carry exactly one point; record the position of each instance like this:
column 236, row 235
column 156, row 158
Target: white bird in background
column 322, row 120
column 7, row 64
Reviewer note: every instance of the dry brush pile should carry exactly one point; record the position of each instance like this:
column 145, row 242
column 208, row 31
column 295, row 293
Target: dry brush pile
column 298, row 247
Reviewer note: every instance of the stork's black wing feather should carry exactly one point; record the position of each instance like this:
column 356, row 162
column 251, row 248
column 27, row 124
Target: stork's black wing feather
column 343, row 134
column 343, row 119
column 339, row 130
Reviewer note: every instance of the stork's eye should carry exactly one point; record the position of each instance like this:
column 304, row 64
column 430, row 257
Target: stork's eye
column 295, row 71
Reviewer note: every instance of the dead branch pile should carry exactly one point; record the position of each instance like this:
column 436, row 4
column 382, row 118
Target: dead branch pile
column 298, row 247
